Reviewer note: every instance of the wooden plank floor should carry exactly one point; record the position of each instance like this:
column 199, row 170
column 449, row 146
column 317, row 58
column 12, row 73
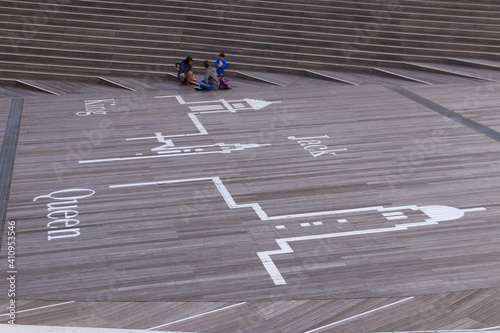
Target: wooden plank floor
column 292, row 195
column 432, row 77
column 480, row 104
column 13, row 90
column 472, row 310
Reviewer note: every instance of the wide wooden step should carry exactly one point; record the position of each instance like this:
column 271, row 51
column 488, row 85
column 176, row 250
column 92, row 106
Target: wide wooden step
column 137, row 38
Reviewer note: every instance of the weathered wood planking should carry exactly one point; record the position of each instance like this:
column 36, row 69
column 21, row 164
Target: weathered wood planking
column 180, row 241
column 13, row 90
column 474, row 309
column 479, row 104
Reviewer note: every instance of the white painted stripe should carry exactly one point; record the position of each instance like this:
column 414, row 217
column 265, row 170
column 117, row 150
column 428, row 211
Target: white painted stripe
column 403, row 76
column 165, row 136
column 436, row 214
column 194, row 119
column 228, row 198
column 401, row 217
column 214, row 111
column 196, row 316
column 7, row 328
column 489, row 328
column 39, row 308
column 198, row 124
column 160, row 183
column 330, row 212
column 199, row 108
column 285, row 247
column 116, row 159
column 360, row 315
column 146, row 138
column 263, row 215
column 392, row 213
column 448, row 71
column 179, row 98
column 117, row 84
column 38, row 88
column 228, row 106
column 451, row 331
column 478, row 209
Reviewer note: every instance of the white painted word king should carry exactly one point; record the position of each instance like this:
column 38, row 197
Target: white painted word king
column 97, row 106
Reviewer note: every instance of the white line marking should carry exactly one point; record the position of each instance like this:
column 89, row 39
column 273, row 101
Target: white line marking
column 225, row 149
column 160, row 183
column 196, row 316
column 151, row 137
column 165, row 136
column 143, row 157
column 39, row 308
column 228, row 106
column 213, row 111
column 283, row 243
column 201, row 108
column 396, row 217
column 442, row 213
column 360, row 315
column 198, row 124
column 194, row 119
column 38, row 87
column 228, row 198
column 487, row 328
column 179, row 98
column 393, row 214
column 182, row 101
column 477, row 209
column 435, row 215
column 117, row 84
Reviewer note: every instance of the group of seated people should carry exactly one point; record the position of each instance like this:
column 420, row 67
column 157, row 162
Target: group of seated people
column 210, row 81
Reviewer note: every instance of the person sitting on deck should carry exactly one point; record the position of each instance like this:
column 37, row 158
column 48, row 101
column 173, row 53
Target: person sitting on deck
column 211, row 81
column 221, row 64
column 185, row 71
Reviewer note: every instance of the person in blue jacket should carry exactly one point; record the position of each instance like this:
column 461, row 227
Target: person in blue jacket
column 221, row 64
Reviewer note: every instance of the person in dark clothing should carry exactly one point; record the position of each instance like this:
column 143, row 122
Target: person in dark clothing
column 211, row 80
column 185, row 72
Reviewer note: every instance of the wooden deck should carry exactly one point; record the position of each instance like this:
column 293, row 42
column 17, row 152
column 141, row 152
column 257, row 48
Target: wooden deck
column 269, row 209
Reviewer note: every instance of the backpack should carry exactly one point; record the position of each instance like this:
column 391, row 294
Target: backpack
column 224, row 84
